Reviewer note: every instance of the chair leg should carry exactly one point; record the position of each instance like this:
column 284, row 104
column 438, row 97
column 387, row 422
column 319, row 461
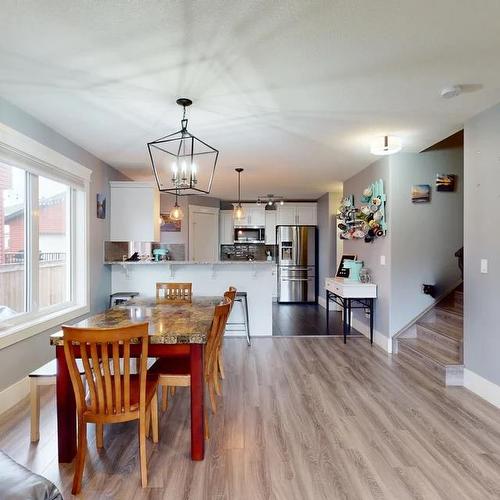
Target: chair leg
column 142, row 449
column 154, row 417
column 99, row 435
column 220, row 363
column 164, row 398
column 80, row 457
column 35, row 409
column 205, row 417
column 148, row 420
column 216, row 383
column 213, row 402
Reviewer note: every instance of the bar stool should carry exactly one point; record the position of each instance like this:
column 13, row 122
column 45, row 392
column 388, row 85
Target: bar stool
column 45, row 375
column 242, row 298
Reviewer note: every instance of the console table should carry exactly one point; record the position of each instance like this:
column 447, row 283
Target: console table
column 350, row 295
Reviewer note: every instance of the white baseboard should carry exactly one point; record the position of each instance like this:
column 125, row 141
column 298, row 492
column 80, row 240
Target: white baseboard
column 13, row 394
column 322, row 302
column 482, row 387
column 378, row 338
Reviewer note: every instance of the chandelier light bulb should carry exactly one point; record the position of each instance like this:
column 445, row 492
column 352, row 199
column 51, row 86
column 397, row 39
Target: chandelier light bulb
column 282, row 202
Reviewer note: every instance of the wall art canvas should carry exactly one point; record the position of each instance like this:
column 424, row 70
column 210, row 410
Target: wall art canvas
column 421, row 193
column 168, row 225
column 445, row 182
column 101, row 206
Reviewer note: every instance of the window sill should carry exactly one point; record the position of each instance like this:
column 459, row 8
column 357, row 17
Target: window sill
column 35, row 326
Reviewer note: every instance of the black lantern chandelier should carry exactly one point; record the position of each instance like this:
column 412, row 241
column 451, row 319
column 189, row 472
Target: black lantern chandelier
column 182, row 163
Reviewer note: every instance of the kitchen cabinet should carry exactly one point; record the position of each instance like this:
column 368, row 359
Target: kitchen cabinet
column 270, row 217
column 134, row 211
column 254, row 215
column 226, row 227
column 297, row 213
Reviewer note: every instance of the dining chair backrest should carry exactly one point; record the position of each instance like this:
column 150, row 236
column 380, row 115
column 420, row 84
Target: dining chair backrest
column 105, row 355
column 231, row 294
column 174, row 291
column 219, row 321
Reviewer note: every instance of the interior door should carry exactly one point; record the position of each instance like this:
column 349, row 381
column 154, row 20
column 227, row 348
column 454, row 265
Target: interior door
column 203, row 234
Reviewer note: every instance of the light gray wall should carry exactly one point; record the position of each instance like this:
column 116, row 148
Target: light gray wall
column 421, row 238
column 482, row 241
column 18, row 360
column 370, row 253
column 327, row 237
column 425, row 236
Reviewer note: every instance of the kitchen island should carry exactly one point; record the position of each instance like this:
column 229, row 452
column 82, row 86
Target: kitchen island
column 256, row 278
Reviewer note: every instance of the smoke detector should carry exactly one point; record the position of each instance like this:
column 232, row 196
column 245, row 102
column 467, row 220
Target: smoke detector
column 450, row 92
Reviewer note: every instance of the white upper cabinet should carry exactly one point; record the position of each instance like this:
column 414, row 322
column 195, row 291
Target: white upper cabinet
column 134, row 211
column 286, row 214
column 304, row 214
column 271, row 217
column 254, row 215
column 226, row 228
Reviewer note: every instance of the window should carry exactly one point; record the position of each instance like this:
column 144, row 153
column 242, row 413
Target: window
column 54, row 239
column 12, row 242
column 39, row 244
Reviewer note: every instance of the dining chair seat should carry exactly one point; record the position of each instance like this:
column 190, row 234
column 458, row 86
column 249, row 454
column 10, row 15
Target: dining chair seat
column 134, row 391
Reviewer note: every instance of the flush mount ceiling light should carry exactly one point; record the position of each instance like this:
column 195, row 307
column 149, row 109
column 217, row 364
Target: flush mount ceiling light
column 386, row 145
column 270, row 200
column 182, row 163
column 238, row 209
column 450, row 92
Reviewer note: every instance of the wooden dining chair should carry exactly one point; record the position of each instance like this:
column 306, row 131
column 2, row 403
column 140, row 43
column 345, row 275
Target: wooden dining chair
column 115, row 395
column 174, row 292
column 230, row 294
column 175, row 372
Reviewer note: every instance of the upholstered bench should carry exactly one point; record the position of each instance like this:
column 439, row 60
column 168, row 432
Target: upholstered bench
column 19, row 483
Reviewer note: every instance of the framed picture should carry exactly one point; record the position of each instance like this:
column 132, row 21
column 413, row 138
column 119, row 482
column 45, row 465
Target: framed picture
column 168, row 225
column 445, row 182
column 342, row 272
column 420, row 193
column 101, row 206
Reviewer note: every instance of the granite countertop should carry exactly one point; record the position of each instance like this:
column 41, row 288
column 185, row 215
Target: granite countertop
column 169, row 322
column 193, row 262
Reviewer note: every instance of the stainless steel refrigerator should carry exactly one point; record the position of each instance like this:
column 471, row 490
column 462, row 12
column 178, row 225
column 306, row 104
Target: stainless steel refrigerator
column 297, row 255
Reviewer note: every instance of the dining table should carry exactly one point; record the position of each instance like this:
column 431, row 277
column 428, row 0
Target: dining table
column 176, row 328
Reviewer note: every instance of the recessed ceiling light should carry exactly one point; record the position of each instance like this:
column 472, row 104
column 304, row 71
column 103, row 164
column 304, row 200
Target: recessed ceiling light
column 450, row 92
column 386, row 145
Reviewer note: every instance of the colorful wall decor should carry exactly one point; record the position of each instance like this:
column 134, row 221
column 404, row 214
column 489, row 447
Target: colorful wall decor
column 169, row 225
column 368, row 221
column 101, row 205
column 445, row 182
column 420, row 193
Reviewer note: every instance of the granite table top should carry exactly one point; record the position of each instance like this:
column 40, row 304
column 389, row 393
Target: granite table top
column 169, row 322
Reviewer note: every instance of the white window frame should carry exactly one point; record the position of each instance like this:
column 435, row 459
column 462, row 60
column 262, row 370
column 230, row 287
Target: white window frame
column 23, row 152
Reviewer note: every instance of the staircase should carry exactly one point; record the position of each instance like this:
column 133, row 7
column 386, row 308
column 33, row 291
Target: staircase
column 434, row 343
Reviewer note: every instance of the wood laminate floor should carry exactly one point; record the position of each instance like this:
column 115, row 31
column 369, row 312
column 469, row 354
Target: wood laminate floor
column 301, row 418
column 306, row 319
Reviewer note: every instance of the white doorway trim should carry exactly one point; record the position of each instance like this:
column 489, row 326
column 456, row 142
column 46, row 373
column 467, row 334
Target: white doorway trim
column 192, row 209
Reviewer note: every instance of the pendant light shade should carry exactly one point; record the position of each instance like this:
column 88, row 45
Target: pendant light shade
column 176, row 213
column 386, row 145
column 239, row 212
column 182, row 163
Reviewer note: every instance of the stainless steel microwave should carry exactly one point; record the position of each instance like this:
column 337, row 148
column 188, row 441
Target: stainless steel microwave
column 249, row 234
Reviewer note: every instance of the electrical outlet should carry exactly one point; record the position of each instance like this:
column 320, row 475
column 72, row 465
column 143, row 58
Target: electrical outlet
column 484, row 266
column 382, row 260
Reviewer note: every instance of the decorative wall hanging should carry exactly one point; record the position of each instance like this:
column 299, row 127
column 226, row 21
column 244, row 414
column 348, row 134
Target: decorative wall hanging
column 182, row 163
column 445, row 182
column 101, row 205
column 420, row 193
column 170, row 225
column 367, row 222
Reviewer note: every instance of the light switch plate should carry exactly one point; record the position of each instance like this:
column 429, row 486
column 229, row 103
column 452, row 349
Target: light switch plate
column 382, row 260
column 484, row 266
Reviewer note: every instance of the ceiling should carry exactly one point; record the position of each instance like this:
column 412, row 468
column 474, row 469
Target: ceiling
column 290, row 90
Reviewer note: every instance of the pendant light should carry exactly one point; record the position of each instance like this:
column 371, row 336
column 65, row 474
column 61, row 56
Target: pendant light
column 182, row 163
column 176, row 213
column 385, row 145
column 238, row 209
